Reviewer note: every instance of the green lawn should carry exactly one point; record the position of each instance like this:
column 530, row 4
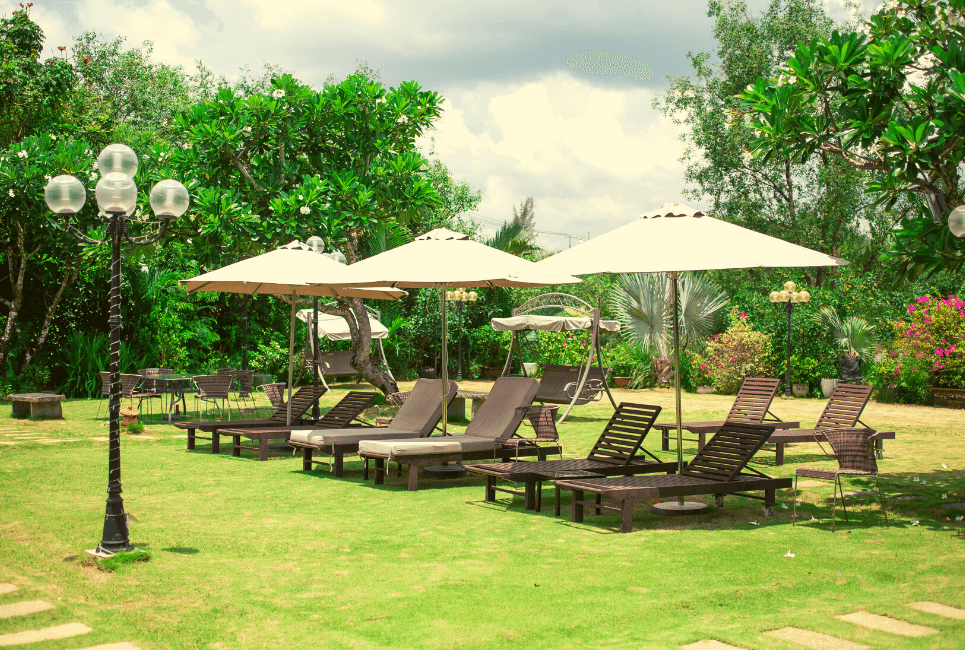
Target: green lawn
column 247, row 554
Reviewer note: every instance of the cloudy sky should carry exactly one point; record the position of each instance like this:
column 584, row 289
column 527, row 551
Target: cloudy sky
column 519, row 121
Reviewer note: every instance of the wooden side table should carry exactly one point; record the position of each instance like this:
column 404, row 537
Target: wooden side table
column 37, row 406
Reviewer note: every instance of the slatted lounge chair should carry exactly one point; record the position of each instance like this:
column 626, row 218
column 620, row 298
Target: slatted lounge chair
column 302, row 400
column 343, row 415
column 559, row 383
column 718, row 469
column 843, row 410
column 496, row 420
column 752, row 405
column 854, row 449
column 417, row 417
column 614, row 454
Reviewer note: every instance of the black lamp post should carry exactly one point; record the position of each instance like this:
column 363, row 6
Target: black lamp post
column 460, row 296
column 116, row 196
column 789, row 297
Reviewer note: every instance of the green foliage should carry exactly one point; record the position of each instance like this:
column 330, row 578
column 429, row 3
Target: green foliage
column 903, row 380
column 630, row 359
column 270, row 358
column 135, row 428
column 934, row 331
column 853, row 335
column 116, row 561
column 860, row 96
column 738, row 353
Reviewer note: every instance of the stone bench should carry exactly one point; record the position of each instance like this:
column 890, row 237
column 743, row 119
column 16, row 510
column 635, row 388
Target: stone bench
column 37, row 406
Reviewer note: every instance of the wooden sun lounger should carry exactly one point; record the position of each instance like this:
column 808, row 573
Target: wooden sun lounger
column 302, row 400
column 344, row 414
column 718, row 469
column 752, row 405
column 497, row 419
column 614, row 454
column 417, row 418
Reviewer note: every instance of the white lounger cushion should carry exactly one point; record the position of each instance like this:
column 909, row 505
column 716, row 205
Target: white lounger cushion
column 425, row 446
column 324, row 437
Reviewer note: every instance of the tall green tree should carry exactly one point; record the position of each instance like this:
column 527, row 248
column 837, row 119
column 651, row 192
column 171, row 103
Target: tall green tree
column 817, row 203
column 267, row 168
column 887, row 99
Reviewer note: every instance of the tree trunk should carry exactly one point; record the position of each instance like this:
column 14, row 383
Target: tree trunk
column 16, row 294
column 70, row 275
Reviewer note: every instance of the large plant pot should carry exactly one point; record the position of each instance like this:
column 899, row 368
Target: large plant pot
column 490, row 373
column 849, row 370
column 953, row 398
column 427, row 373
column 799, row 390
column 705, row 390
column 827, row 386
column 621, row 382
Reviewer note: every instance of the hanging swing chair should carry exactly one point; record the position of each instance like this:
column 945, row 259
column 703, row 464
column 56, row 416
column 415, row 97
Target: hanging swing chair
column 562, row 384
column 335, row 328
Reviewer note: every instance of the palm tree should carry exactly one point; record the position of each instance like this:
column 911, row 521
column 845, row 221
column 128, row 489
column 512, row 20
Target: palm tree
column 642, row 304
column 854, row 336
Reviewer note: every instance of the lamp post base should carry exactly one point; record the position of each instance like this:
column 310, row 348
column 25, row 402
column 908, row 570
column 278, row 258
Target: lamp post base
column 675, row 508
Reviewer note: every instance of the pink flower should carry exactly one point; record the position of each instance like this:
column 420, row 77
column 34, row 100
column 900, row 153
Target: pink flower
column 938, row 365
column 733, row 359
column 898, row 368
column 911, row 308
column 743, row 314
column 703, row 366
column 939, row 352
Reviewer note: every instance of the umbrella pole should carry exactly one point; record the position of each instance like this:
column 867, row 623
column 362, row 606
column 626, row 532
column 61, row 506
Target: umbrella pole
column 445, row 362
column 291, row 358
column 678, row 507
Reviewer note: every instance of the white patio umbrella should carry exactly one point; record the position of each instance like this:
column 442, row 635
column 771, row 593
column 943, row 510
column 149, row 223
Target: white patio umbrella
column 293, row 270
column 675, row 238
column 442, row 259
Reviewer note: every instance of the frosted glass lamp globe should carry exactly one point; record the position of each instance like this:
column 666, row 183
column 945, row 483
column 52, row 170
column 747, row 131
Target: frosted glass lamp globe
column 117, row 159
column 65, row 194
column 169, row 199
column 116, row 193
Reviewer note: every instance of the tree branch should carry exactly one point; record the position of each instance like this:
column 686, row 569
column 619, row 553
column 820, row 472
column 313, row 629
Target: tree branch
column 244, row 172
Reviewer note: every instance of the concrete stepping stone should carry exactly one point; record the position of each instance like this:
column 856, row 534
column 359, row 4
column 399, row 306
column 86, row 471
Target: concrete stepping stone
column 710, row 645
column 24, row 608
column 941, row 610
column 887, row 624
column 113, row 646
column 7, row 442
column 103, row 438
column 6, row 588
column 45, row 634
column 53, row 440
column 815, row 640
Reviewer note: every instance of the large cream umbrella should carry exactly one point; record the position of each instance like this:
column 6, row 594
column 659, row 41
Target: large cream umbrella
column 292, row 270
column 442, row 259
column 675, row 238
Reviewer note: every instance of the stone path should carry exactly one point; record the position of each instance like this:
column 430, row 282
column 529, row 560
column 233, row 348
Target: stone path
column 877, row 622
column 51, row 633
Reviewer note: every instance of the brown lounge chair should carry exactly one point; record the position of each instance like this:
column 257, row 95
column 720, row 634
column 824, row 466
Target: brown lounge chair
column 417, row 417
column 843, row 410
column 614, row 454
column 752, row 406
column 343, row 415
column 717, row 469
column 496, row 420
column 302, row 400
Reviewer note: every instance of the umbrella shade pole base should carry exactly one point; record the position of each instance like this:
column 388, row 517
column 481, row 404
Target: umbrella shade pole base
column 676, row 507
column 445, row 471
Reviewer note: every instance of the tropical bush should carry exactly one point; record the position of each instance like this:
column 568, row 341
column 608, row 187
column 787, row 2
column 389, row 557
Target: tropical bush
column 739, row 352
column 934, row 331
column 905, row 381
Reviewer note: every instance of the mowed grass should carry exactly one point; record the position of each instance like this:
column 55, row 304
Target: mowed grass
column 249, row 554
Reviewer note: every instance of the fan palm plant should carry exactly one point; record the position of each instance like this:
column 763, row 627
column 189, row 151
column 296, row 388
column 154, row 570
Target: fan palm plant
column 854, row 336
column 642, row 304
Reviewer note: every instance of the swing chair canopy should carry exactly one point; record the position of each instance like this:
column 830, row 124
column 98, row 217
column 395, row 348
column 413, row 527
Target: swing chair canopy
column 551, row 323
column 336, row 328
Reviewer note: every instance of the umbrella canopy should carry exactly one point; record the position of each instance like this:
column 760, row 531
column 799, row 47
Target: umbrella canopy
column 293, row 270
column 550, row 323
column 675, row 238
column 336, row 327
column 441, row 259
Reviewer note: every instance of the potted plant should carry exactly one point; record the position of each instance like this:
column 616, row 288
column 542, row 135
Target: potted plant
column 803, row 372
column 854, row 337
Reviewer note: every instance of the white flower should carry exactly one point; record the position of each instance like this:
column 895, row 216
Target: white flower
column 916, row 479
column 789, row 554
column 797, row 503
column 783, row 506
column 813, row 518
column 959, row 517
column 93, row 176
column 88, row 152
column 944, row 466
column 304, row 209
column 944, row 496
column 754, row 523
column 53, row 137
column 247, row 129
column 22, row 154
column 10, row 192
column 46, row 177
column 143, row 269
column 301, row 198
column 914, row 523
column 924, row 482
column 402, row 119
column 278, row 93
column 747, row 156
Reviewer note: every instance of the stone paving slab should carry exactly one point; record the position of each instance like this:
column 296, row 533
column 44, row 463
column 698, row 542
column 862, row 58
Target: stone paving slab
column 887, row 624
column 100, row 438
column 6, row 588
column 24, row 608
column 49, row 441
column 7, row 442
column 45, row 634
column 941, row 610
column 710, row 645
column 113, row 646
column 815, row 640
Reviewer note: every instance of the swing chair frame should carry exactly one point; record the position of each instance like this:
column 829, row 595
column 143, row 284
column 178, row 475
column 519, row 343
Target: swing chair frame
column 312, row 351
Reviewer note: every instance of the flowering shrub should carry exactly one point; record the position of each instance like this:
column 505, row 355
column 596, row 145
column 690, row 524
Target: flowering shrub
column 701, row 370
column 934, row 333
column 563, row 348
column 737, row 353
column 905, row 381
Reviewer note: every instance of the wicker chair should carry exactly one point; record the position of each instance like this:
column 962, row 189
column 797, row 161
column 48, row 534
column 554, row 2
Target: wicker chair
column 148, row 387
column 211, row 388
column 855, row 452
column 245, row 378
column 275, row 393
column 105, row 391
column 542, row 417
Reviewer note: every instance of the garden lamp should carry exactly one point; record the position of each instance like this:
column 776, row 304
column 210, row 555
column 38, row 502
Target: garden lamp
column 956, row 222
column 460, row 296
column 116, row 196
column 790, row 297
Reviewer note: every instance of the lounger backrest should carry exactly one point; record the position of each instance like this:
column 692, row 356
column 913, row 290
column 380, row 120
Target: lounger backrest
column 348, row 408
column 624, row 433
column 302, row 400
column 552, row 385
column 728, row 452
column 422, row 409
column 844, row 406
column 500, row 416
column 753, row 400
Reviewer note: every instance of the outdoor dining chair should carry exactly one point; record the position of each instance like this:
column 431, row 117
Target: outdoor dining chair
column 149, row 389
column 212, row 388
